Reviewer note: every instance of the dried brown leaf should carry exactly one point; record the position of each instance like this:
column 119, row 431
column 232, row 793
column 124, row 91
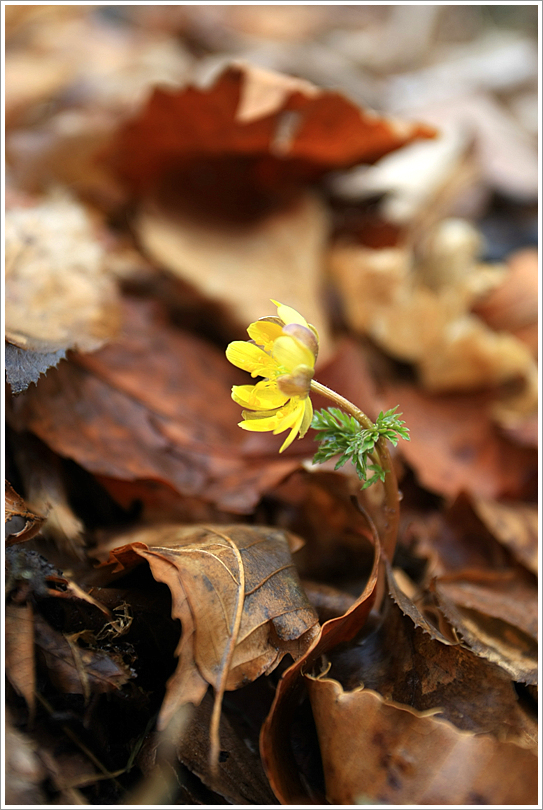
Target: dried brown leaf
column 57, row 294
column 513, row 524
column 74, row 669
column 19, row 651
column 508, row 642
column 377, row 751
column 205, row 569
column 20, row 522
column 456, row 447
column 409, row 662
column 155, row 404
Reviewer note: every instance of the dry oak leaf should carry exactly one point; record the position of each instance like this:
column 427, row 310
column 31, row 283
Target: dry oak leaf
column 250, row 111
column 238, row 596
column 58, row 295
column 377, row 751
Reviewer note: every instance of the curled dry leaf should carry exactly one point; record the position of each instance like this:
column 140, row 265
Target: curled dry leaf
column 57, row 294
column 472, row 610
column 276, row 740
column 377, row 751
column 20, row 522
column 238, row 596
column 381, row 694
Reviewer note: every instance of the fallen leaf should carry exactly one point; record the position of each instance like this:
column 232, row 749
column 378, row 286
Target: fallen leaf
column 377, row 751
column 408, row 661
column 277, row 747
column 513, row 524
column 133, row 417
column 247, row 147
column 243, row 113
column 20, row 522
column 75, row 669
column 501, row 628
column 237, row 594
column 279, row 256
column 416, row 306
column 455, row 446
column 241, row 777
column 19, row 651
column 57, row 294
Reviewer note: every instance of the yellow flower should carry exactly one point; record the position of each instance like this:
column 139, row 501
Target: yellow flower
column 283, row 350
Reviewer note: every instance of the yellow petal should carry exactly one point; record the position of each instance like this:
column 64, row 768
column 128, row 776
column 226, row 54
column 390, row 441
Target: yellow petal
column 307, row 418
column 299, row 415
column 250, row 358
column 288, row 314
column 258, row 424
column 264, row 333
column 262, row 396
column 289, row 353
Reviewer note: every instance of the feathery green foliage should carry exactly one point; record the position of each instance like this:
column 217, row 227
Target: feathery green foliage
column 341, row 435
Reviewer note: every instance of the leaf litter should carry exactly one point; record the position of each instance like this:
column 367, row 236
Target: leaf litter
column 192, row 618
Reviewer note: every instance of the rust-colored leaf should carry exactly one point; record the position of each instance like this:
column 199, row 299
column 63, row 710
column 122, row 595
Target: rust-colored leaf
column 376, row 751
column 256, row 113
column 276, row 742
column 407, row 661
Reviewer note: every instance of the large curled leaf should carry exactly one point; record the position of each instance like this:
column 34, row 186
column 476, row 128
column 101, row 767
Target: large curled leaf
column 239, row 599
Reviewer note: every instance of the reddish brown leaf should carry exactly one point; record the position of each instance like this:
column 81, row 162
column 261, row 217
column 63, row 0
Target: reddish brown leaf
column 455, row 446
column 248, row 111
column 408, row 661
column 153, row 405
column 276, row 744
column 380, row 752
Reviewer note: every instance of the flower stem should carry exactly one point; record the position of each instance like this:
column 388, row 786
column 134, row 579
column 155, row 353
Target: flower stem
column 382, row 456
